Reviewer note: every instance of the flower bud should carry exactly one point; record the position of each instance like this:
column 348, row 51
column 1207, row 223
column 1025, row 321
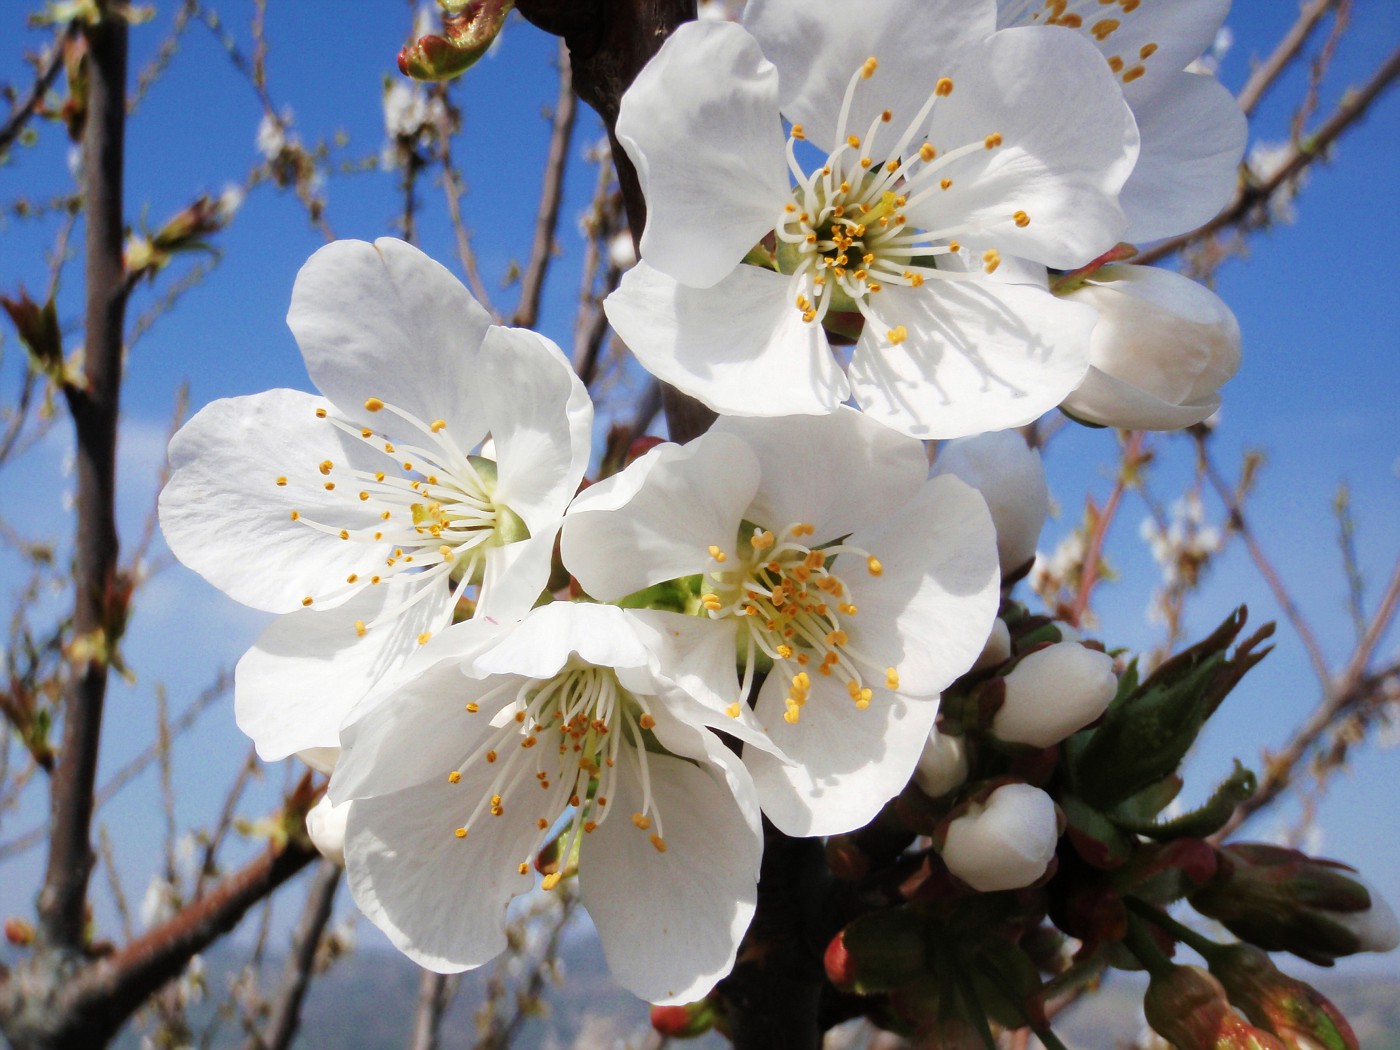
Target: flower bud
column 19, row 932
column 1162, row 348
column 326, row 826
column 1294, row 1011
column 998, row 647
column 943, row 764
column 1012, row 481
column 877, row 952
column 469, row 29
column 1005, row 843
column 1054, row 692
column 321, row 759
column 1283, row 900
column 1188, row 1008
column 684, row 1022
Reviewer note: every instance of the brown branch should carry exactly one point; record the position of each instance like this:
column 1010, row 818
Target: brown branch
column 1089, row 575
column 551, row 194
column 1253, row 195
column 435, row 991
column 1265, row 76
column 285, row 1019
column 94, row 408
column 49, row 69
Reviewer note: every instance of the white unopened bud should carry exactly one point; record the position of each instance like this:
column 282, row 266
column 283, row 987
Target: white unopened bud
column 1006, row 842
column 943, row 765
column 1054, row 692
column 1012, row 481
column 998, row 647
column 622, row 253
column 321, row 759
column 1377, row 926
column 326, row 826
column 1162, row 348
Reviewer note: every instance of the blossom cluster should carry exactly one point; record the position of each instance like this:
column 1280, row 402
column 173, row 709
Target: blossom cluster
column 514, row 676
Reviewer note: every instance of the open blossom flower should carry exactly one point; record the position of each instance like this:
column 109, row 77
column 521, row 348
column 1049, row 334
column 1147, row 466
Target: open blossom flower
column 497, row 740
column 1193, row 133
column 361, row 512
column 816, row 549
column 947, row 144
column 1162, row 348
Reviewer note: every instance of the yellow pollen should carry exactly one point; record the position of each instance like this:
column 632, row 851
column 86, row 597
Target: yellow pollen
column 551, row 880
column 461, row 833
column 320, row 413
column 717, row 554
column 898, row 334
column 379, row 476
column 373, row 404
column 993, row 140
column 641, row 821
column 873, row 566
column 423, row 638
column 388, row 448
column 1115, row 63
column 408, row 466
column 374, row 579
column 798, row 133
column 490, row 756
column 366, row 432
column 344, row 535
column 1021, row 219
column 784, row 652
column 791, row 716
column 1104, row 28
column 991, row 259
column 1147, row 51
column 282, row 481
column 646, row 722
column 447, row 552
column 944, row 87
column 945, row 184
column 364, row 496
column 352, row 577
column 330, row 486
column 659, row 843
column 307, row 600
column 437, row 425
column 384, row 516
column 853, row 141
column 473, row 708
column 732, row 710
column 891, row 678
column 886, row 116
column 360, row 628
column 868, row 67
column 454, row 777
column 325, row 467
column 1133, row 74
column 892, row 165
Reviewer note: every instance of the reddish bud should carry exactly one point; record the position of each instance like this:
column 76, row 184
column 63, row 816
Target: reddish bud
column 1294, row 1011
column 1187, row 1007
column 684, row 1022
column 840, row 967
column 18, row 932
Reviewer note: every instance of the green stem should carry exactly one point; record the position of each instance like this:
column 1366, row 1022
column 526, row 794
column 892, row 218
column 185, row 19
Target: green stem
column 1042, row 1032
column 1144, row 948
column 1202, row 946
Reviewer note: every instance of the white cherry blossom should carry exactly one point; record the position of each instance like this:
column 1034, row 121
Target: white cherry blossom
column 362, row 512
column 815, row 549
column 497, row 740
column 1193, row 133
column 923, row 147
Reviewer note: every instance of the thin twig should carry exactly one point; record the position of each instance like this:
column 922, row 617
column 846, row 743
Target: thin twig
column 551, row 194
column 1267, row 74
column 1127, row 474
column 48, row 72
column 285, row 1018
column 435, row 991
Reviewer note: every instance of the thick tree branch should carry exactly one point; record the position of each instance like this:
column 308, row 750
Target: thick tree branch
column 99, row 602
column 551, row 194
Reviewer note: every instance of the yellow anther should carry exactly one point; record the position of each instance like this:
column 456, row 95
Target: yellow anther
column 330, row 486
column 873, row 566
column 374, row 579
column 448, row 554
column 320, row 413
column 408, row 466
column 360, row 628
column 717, row 554
column 344, row 534
column 798, row 132
column 307, row 600
column 646, row 722
column 891, row 678
column 1133, row 74
column 868, row 67
column 1021, row 219
column 437, row 425
column 954, row 246
column 352, row 577
column 461, row 833
column 732, row 710
column 1147, row 51
column 423, row 638
column 1115, row 63
column 886, row 116
column 641, row 821
column 784, row 652
column 364, row 496
column 791, row 716
column 388, row 448
column 384, row 516
column 801, row 681
column 282, row 481
column 1104, row 28
column 991, row 259
column 373, row 404
column 865, row 162
column 945, row 184
column 944, row 87
column 762, row 540
column 853, row 141
column 490, row 756
column 927, row 152
column 454, row 777
column 542, row 824
column 898, row 334
column 551, row 880
column 659, row 843
column 366, row 432
column 993, row 140
column 473, row 708
column 326, row 466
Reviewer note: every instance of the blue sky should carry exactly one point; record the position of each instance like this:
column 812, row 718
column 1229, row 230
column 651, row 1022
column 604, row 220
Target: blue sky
column 1317, row 392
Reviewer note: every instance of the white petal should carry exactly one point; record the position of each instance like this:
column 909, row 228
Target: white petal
column 1011, row 478
column 516, row 575
column 1193, row 135
column 440, row 899
column 542, row 643
column 307, row 670
column 928, row 614
column 670, row 923
column 835, row 472
column 818, row 45
column 541, row 421
column 325, row 824
column 979, row 356
column 657, row 519
column 701, row 124
column 384, row 320
column 225, row 516
column 847, row 762
column 1068, row 143
column 740, row 347
column 1110, row 402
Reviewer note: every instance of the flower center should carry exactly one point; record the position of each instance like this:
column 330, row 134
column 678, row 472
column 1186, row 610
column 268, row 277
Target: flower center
column 565, row 736
column 432, row 510
column 797, row 611
column 846, row 234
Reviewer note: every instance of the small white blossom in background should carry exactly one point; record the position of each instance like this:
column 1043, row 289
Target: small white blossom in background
column 1265, row 161
column 411, row 119
column 160, row 902
column 1004, row 843
column 1059, row 571
column 1181, row 550
column 272, row 137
